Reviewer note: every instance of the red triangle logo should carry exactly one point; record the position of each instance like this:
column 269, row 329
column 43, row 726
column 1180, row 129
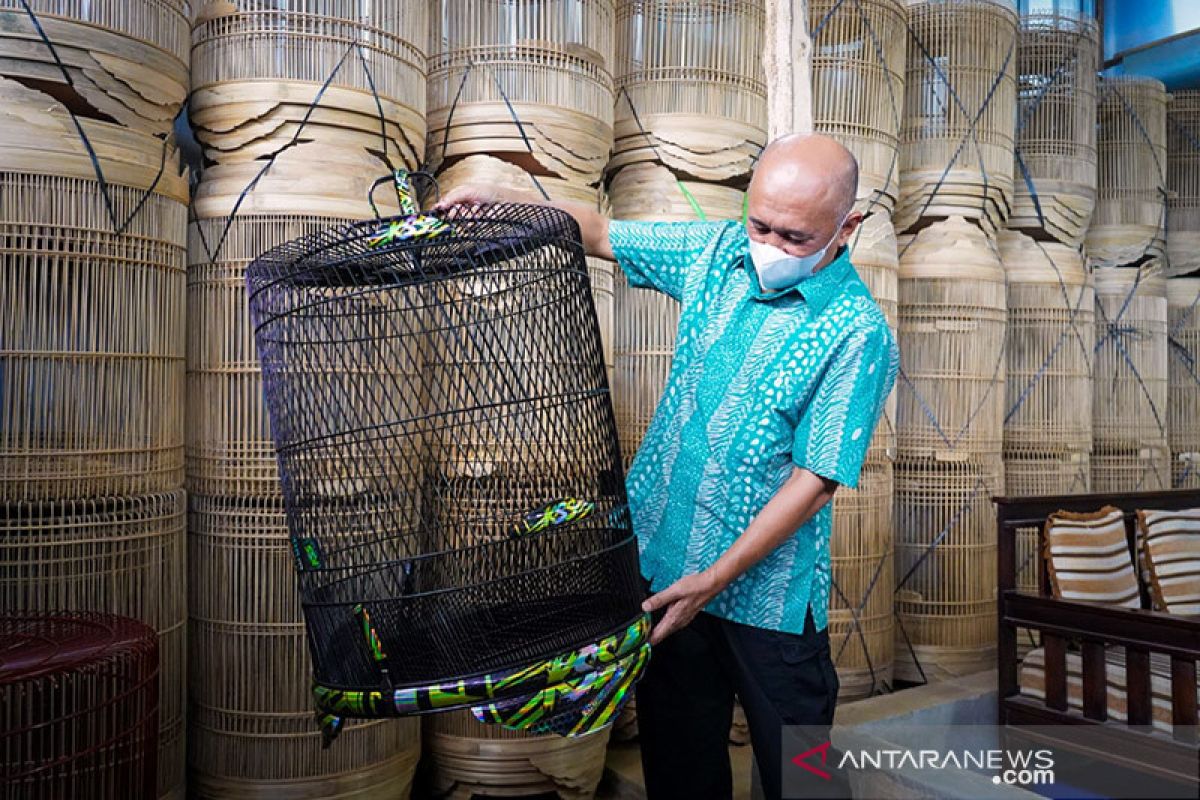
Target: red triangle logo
column 802, row 760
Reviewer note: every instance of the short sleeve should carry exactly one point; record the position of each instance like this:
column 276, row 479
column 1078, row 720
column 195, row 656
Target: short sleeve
column 835, row 429
column 659, row 255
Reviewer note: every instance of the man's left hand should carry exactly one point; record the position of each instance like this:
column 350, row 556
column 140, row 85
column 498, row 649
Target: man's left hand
column 683, row 600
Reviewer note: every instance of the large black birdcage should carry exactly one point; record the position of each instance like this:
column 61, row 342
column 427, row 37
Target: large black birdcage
column 450, row 468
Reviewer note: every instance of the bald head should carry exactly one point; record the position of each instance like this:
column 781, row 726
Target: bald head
column 803, row 187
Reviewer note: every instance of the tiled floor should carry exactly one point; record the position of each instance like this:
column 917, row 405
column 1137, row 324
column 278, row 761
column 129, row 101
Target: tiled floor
column 623, row 773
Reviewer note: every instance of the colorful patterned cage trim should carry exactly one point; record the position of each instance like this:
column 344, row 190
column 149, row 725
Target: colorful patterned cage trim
column 572, row 694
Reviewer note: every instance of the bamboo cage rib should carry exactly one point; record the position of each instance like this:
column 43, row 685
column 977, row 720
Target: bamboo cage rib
column 956, row 139
column 124, row 61
column 692, row 95
column 858, row 88
column 550, row 60
column 257, row 69
column 122, row 555
column 1130, row 444
column 1131, row 140
column 1183, row 183
column 1183, row 400
column 1057, row 59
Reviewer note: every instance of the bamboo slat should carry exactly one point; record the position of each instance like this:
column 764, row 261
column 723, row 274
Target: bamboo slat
column 257, row 67
column 122, row 555
column 1183, row 182
column 254, row 735
column 951, row 339
column 1131, row 139
column 1183, row 400
column 692, row 91
column 861, row 610
column 550, row 60
column 1051, row 336
column 956, row 140
column 945, row 565
column 125, row 61
column 1130, row 444
column 858, row 88
column 468, row 759
column 92, row 321
column 1057, row 59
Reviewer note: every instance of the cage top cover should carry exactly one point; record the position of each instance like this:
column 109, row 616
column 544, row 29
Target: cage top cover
column 450, row 469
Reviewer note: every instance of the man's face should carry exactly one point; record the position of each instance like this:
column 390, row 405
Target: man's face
column 796, row 215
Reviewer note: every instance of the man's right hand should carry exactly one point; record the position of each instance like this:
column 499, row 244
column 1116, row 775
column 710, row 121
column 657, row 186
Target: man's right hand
column 479, row 194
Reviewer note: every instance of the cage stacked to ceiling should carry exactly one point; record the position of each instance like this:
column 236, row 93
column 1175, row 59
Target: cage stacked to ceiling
column 1183, row 288
column 1124, row 246
column 858, row 97
column 299, row 111
column 956, row 191
column 91, row 409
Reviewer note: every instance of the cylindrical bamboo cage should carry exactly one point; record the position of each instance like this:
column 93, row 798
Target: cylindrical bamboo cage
column 1057, row 59
column 858, row 88
column 122, row 555
column 468, row 759
column 92, row 326
column 645, row 321
column 956, row 139
column 489, row 171
column 1131, row 140
column 125, row 60
column 1183, row 399
column 551, row 61
column 1183, row 183
column 258, row 66
column 254, row 736
column 1130, row 447
column 78, row 707
column 691, row 91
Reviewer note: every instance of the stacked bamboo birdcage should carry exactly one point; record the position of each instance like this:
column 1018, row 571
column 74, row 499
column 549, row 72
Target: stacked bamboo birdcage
column 1130, row 450
column 1055, row 177
column 949, row 461
column 1131, row 140
column 1183, row 398
column 1183, row 183
column 260, row 71
column 956, row 140
column 91, row 414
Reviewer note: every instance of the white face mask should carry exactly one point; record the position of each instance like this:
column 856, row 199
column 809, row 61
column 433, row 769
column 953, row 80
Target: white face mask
column 780, row 270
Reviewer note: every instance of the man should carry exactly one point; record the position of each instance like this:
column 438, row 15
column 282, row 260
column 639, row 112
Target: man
column 782, row 365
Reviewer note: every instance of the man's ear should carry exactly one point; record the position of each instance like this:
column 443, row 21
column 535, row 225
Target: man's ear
column 849, row 227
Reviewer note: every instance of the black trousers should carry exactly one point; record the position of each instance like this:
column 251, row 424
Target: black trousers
column 685, row 703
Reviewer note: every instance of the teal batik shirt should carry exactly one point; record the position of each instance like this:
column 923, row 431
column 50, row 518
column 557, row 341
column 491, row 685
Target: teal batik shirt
column 759, row 383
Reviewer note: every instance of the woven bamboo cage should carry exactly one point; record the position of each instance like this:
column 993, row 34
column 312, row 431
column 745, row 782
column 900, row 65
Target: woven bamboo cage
column 646, row 321
column 1051, row 336
column 691, row 91
column 956, row 140
column 78, row 707
column 92, row 320
column 549, row 60
column 951, row 338
column 858, row 88
column 1131, row 139
column 945, row 566
column 258, row 65
column 487, row 170
column 1057, row 59
column 122, row 555
column 1183, row 399
column 861, row 608
column 1183, row 182
column 253, row 733
column 468, row 759
column 127, row 61
column 229, row 447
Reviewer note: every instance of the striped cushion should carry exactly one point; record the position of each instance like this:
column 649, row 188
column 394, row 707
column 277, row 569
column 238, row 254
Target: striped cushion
column 1088, row 558
column 1170, row 542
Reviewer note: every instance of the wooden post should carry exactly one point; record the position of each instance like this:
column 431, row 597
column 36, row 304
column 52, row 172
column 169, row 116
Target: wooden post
column 787, row 63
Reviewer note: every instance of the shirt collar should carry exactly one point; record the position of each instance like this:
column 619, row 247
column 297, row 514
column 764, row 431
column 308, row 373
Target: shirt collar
column 817, row 290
